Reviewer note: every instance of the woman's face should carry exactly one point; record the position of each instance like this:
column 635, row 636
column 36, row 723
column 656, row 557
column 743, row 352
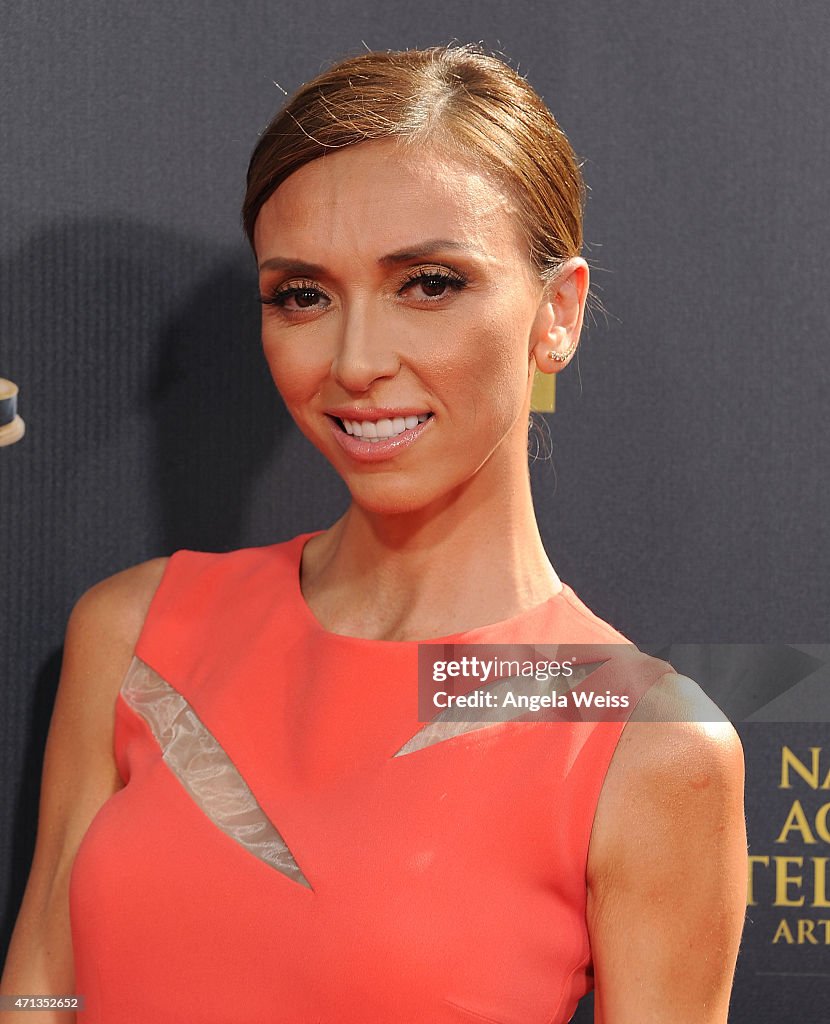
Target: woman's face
column 399, row 302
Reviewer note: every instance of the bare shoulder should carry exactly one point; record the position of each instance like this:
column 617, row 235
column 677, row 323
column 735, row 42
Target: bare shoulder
column 676, row 736
column 101, row 635
column 117, row 605
column 679, row 761
column 667, row 862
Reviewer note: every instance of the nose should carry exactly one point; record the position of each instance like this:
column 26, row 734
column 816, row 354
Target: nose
column 364, row 350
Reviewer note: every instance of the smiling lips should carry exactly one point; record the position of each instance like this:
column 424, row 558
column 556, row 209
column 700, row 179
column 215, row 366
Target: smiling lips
column 372, row 438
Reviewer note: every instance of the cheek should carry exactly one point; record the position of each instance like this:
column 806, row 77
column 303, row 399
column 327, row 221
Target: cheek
column 294, row 369
column 490, row 368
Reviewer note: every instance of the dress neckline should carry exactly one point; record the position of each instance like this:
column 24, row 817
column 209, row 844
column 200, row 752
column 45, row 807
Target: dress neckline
column 476, row 634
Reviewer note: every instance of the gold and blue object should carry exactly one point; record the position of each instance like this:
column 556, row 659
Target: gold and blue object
column 12, row 427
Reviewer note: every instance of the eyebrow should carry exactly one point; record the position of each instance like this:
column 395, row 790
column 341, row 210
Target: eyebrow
column 410, row 252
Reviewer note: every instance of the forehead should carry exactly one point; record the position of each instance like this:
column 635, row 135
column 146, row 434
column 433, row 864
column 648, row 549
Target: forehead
column 377, row 197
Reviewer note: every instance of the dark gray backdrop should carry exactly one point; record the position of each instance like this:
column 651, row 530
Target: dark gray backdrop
column 686, row 496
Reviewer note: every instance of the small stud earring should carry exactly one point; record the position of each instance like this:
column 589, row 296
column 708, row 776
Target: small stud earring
column 560, row 357
column 543, row 395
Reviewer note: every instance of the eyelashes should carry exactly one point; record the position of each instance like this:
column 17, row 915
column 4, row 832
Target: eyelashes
column 435, row 284
column 435, row 279
column 303, row 294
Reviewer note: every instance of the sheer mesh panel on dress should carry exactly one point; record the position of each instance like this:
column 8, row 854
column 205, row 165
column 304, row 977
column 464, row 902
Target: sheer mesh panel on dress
column 200, row 764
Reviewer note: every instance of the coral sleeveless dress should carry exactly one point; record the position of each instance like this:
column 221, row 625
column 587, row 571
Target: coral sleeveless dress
column 293, row 844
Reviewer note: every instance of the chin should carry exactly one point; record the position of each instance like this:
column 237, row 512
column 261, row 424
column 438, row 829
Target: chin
column 389, row 504
column 390, row 499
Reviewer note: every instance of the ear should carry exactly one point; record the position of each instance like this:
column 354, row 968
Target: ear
column 558, row 322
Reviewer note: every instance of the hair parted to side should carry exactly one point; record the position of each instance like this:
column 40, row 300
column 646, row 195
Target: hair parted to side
column 469, row 104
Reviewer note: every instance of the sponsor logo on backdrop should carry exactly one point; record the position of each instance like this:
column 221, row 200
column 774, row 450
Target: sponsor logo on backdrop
column 793, row 875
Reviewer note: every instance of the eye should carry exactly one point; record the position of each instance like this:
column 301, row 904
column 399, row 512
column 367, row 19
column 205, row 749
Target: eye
column 434, row 283
column 294, row 296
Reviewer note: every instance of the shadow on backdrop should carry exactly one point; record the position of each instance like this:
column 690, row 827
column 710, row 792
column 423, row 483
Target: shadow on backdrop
column 216, row 412
column 25, row 800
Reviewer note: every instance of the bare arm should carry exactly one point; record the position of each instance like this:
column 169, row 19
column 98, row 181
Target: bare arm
column 667, row 866
column 79, row 775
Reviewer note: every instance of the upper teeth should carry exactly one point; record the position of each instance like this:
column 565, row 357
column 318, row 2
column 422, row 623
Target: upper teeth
column 374, row 430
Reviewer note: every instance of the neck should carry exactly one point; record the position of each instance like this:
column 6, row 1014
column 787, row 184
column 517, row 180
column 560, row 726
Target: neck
column 472, row 559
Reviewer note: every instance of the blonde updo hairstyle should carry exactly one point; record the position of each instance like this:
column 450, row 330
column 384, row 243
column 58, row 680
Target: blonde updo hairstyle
column 469, row 104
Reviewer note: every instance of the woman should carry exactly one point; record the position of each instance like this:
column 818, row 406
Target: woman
column 292, row 843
